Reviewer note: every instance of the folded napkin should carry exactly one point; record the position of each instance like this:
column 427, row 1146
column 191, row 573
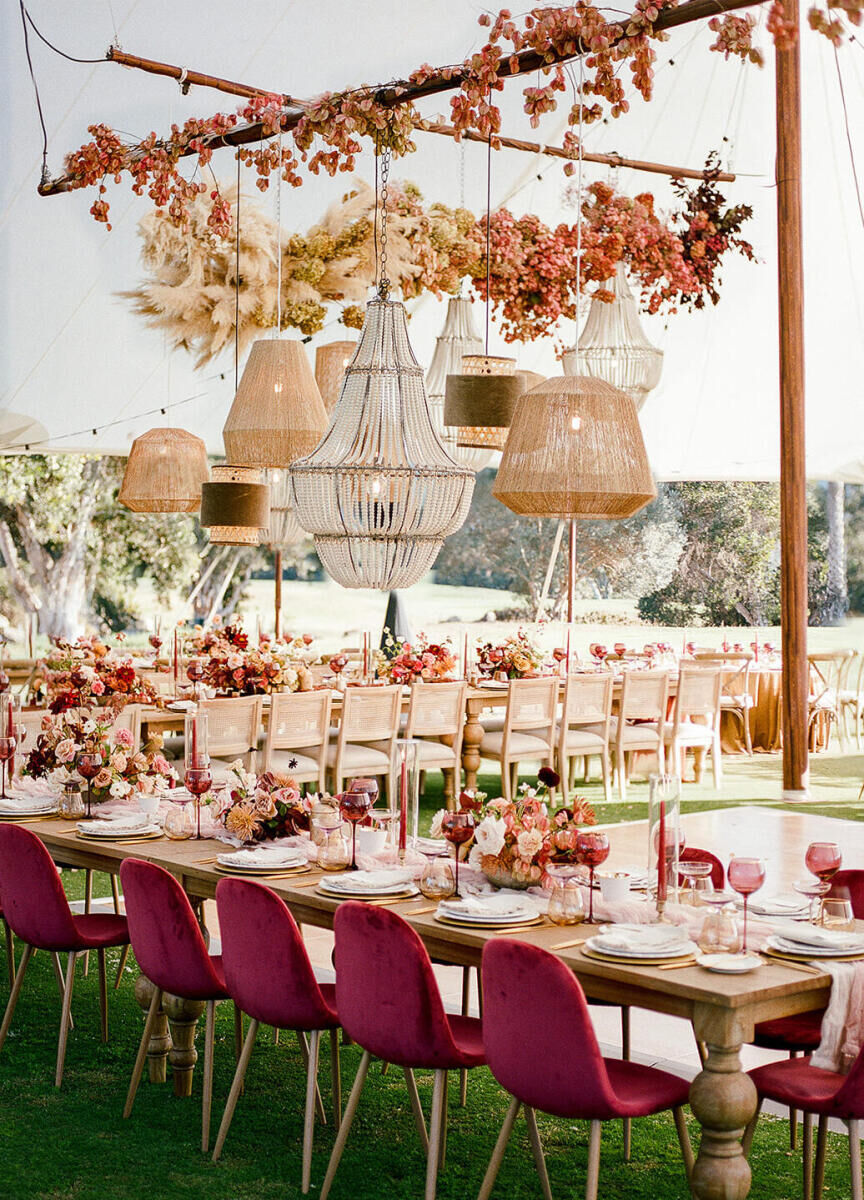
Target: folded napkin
column 778, row 906
column 497, row 905
column 265, row 856
column 28, row 804
column 813, row 936
column 843, row 1022
column 126, row 823
column 25, row 788
column 368, row 881
column 656, row 938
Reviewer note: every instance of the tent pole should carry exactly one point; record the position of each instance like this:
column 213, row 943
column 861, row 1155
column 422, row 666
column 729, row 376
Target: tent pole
column 793, row 480
column 571, row 570
column 277, row 594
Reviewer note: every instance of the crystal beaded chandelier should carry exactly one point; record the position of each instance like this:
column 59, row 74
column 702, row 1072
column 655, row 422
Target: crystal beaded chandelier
column 380, row 493
column 457, row 338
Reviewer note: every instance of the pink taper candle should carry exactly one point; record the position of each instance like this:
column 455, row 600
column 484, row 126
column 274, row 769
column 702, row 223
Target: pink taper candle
column 661, row 853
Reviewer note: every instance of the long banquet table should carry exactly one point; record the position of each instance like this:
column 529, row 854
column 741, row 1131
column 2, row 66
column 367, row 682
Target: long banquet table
column 723, row 1009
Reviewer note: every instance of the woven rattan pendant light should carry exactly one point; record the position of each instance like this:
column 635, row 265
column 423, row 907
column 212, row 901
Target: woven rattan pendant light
column 235, row 506
column 164, row 472
column 480, row 401
column 614, row 346
column 457, row 338
column 331, row 360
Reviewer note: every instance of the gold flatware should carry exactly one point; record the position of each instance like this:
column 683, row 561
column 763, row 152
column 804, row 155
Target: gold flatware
column 418, row 912
column 805, row 968
column 568, row 945
column 676, row 966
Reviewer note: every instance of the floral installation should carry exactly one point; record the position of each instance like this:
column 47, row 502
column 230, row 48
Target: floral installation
column 234, row 668
column 402, row 662
column 517, row 657
column 256, row 808
column 67, row 734
column 87, row 673
column 323, row 134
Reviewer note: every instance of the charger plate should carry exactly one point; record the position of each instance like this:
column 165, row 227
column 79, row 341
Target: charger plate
column 526, row 923
column 31, row 816
column 406, row 894
column 153, row 836
column 262, row 872
column 637, row 962
column 814, row 959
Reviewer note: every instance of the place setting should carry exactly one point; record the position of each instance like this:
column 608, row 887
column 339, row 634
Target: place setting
column 121, row 827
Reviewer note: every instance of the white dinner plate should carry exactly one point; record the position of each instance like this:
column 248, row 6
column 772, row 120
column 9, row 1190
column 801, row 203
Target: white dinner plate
column 236, row 863
column 599, row 946
column 786, row 946
column 394, row 889
column 497, row 918
column 729, row 964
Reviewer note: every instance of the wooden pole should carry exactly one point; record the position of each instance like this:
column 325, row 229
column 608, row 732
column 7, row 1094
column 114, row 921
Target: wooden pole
column 793, row 479
column 571, row 570
column 277, row 593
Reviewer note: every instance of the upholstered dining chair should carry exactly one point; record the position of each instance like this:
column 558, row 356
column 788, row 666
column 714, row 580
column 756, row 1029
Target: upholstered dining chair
column 389, row 1004
column 529, row 729
column 368, row 728
column 233, row 725
column 583, row 727
column 269, row 975
column 641, row 720
column 298, row 730
column 170, row 951
column 698, row 696
column 560, row 1069
column 436, row 711
column 35, row 908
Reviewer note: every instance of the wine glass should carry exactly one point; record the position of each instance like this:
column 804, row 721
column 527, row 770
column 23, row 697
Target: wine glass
column 89, row 764
column 369, row 785
column 814, row 890
column 592, row 849
column 198, row 776
column 823, row 859
column 195, row 673
column 198, row 780
column 458, row 828
column 156, row 642
column 746, row 876
column 354, row 806
column 693, row 871
column 7, row 753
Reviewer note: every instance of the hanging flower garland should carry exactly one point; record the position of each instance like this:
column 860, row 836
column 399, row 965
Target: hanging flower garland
column 326, row 137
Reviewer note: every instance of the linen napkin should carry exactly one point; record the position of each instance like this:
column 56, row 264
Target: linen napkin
column 495, row 904
column 368, row 881
column 815, row 937
column 656, row 938
column 132, row 822
column 270, row 855
column 843, row 1022
column 778, row 906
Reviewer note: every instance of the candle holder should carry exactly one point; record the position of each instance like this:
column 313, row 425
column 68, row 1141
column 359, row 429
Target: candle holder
column 664, row 837
column 406, row 773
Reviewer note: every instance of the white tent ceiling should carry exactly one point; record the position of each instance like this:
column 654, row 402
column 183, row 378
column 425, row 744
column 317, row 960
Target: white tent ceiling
column 74, row 358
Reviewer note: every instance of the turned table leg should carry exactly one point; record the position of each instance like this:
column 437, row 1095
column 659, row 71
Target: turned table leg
column 723, row 1100
column 472, row 736
column 183, row 1022
column 160, row 1041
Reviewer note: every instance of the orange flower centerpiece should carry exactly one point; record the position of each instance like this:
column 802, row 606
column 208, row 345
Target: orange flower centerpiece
column 234, row 668
column 517, row 657
column 429, row 662
column 262, row 807
column 87, row 673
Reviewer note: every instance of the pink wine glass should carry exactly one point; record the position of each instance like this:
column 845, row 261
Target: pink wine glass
column 89, row 764
column 458, row 828
column 592, row 849
column 354, row 806
column 746, row 876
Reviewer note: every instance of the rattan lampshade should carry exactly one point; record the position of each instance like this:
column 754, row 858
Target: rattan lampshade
column 235, row 506
column 164, row 472
column 529, row 379
column 330, row 363
column 614, row 346
column 456, row 339
column 481, row 400
column 277, row 414
column 575, row 450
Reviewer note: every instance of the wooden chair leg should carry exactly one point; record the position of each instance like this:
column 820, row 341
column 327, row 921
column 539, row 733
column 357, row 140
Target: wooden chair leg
column 627, row 1123
column 442, row 1148
column 115, row 894
column 345, row 1127
column 64, row 1019
column 748, row 737
column 309, row 1110
column 10, row 953
column 103, row 993
column 15, row 993
column 593, row 1176
column 88, row 904
column 336, row 1078
column 684, row 1141
column 498, row 1153
column 435, row 1119
column 236, row 1088
column 819, row 1168
column 747, row 1139
column 793, row 1117
column 238, row 1034
column 807, row 1157
column 304, row 1054
column 152, row 1011
column 606, row 765
column 121, row 966
column 537, row 1150
column 207, row 1100
column 854, row 1128
column 61, row 982
column 416, row 1108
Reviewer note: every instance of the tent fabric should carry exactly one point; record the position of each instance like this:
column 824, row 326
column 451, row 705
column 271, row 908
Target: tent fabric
column 76, row 359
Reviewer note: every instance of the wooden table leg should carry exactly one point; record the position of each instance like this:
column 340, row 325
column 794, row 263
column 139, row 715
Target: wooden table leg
column 723, row 1100
column 472, row 736
column 698, row 762
column 160, row 1042
column 183, row 1022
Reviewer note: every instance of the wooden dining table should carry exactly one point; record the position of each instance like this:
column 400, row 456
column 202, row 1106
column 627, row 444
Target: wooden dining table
column 722, row 1008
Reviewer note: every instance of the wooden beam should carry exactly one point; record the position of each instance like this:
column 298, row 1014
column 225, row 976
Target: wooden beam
column 187, row 78
column 793, row 479
column 404, row 92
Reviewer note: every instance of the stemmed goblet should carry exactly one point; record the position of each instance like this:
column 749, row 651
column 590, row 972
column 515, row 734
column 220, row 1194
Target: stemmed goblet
column 822, row 859
column 195, row 673
column 746, row 876
column 354, row 806
column 693, row 870
column 458, row 828
column 198, row 776
column 89, row 764
column 592, row 849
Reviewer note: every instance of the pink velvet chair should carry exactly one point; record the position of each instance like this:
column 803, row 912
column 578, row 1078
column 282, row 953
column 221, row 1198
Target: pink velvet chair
column 36, row 910
column 170, row 950
column 269, row 975
column 389, row 1004
column 825, row 1094
column 559, row 1069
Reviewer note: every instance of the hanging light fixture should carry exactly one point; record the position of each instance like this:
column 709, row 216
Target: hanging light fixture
column 331, row 360
column 235, row 506
column 284, row 530
column 614, row 346
column 164, row 472
column 380, row 493
column 456, row 339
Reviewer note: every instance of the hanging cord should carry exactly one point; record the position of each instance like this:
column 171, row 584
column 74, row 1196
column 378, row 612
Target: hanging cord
column 237, row 284
column 462, row 196
column 28, row 20
column 488, row 230
column 279, row 244
column 383, row 281
column 849, row 136
column 36, row 91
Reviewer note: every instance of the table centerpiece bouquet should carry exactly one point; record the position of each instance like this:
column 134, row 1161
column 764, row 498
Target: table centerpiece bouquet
column 516, row 841
column 124, row 770
column 234, row 668
column 517, row 657
column 87, row 673
column 399, row 661
column 257, row 808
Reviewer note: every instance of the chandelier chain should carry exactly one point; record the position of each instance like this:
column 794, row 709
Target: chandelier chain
column 384, row 282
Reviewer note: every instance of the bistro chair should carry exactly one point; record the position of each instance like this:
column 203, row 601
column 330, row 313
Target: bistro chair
column 698, row 697
column 298, row 731
column 560, row 1069
column 436, row 711
column 852, row 700
column 35, row 908
column 129, row 718
column 529, row 729
column 170, row 951
column 736, row 698
column 233, row 724
column 368, row 728
column 583, row 728
column 389, row 1004
column 641, row 720
column 828, row 678
column 276, row 986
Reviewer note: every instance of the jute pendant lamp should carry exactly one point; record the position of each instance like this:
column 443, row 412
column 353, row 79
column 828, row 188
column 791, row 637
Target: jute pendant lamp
column 164, row 472
column 331, row 360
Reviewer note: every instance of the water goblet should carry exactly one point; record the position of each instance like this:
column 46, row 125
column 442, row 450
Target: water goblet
column 693, row 871
column 746, row 876
column 354, row 806
column 458, row 828
column 89, row 764
column 592, row 849
column 198, row 780
column 823, row 859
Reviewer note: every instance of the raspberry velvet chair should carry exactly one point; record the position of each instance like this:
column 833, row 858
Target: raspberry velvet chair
column 559, row 1068
column 270, row 978
column 35, row 908
column 389, row 1004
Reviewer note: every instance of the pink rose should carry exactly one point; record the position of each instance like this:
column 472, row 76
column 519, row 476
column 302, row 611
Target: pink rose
column 65, row 750
column 97, row 687
column 123, row 737
column 161, row 764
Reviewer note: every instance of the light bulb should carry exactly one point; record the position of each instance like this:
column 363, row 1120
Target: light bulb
column 277, row 387
column 376, row 486
column 575, row 424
